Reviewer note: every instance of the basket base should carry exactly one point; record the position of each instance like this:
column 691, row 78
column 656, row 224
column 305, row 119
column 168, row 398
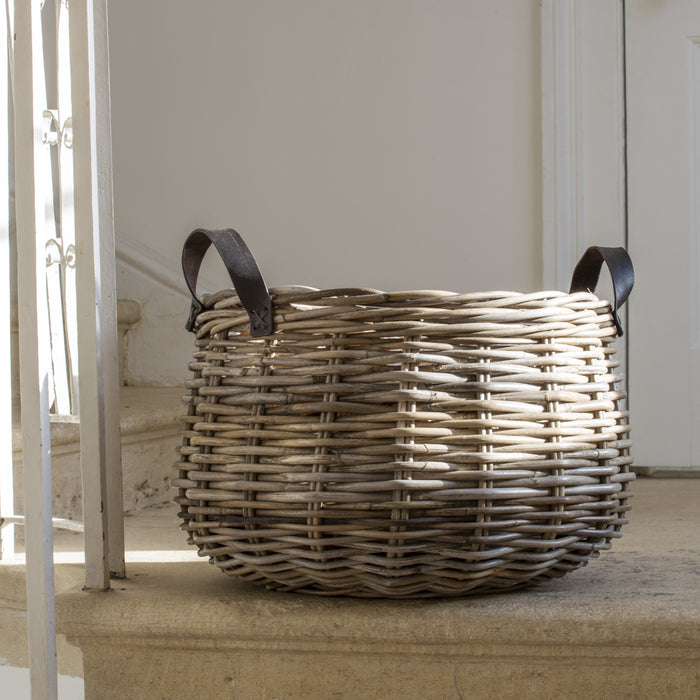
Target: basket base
column 392, row 584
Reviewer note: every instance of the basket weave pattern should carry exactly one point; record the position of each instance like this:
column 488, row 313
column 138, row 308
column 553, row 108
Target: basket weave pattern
column 408, row 444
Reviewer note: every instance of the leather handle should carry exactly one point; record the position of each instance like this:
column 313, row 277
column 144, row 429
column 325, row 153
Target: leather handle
column 587, row 272
column 242, row 268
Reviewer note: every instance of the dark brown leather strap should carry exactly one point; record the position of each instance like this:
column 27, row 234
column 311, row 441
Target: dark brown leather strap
column 253, row 293
column 242, row 269
column 587, row 272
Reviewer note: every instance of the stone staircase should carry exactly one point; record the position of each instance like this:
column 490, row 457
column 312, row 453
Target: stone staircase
column 150, row 420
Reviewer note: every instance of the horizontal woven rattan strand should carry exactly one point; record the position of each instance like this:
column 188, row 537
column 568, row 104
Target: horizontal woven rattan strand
column 409, row 444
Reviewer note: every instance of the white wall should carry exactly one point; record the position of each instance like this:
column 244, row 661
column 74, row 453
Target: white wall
column 385, row 143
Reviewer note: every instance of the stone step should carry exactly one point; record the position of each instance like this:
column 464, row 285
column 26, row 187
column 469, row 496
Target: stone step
column 150, row 421
column 627, row 625
column 129, row 314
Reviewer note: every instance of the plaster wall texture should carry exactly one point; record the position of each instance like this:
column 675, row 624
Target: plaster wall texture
column 352, row 144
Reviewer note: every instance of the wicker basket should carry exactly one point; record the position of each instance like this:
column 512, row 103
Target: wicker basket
column 409, row 444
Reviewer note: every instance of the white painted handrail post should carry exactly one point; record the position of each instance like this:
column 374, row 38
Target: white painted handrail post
column 7, row 490
column 34, row 342
column 108, row 281
column 96, row 285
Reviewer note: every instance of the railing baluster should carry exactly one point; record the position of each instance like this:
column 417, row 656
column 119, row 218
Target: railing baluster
column 66, row 199
column 7, row 490
column 29, row 86
column 108, row 284
column 97, row 303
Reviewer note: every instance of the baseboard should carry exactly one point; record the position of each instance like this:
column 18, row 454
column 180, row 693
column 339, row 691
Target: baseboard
column 668, row 472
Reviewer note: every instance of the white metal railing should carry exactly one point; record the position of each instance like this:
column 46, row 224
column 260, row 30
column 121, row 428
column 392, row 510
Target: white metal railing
column 34, row 345
column 97, row 294
column 7, row 536
column 76, row 229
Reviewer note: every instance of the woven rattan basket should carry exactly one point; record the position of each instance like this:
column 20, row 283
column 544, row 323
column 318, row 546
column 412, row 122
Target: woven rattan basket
column 409, row 444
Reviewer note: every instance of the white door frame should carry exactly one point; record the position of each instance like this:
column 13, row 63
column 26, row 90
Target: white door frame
column 663, row 98
column 583, row 132
column 584, row 158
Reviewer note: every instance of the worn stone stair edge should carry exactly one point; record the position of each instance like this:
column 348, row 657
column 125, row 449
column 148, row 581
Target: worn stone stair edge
column 161, row 600
column 142, row 410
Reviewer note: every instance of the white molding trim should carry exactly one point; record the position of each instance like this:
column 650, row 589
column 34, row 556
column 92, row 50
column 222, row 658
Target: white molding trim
column 145, row 261
column 562, row 166
column 694, row 176
column 583, row 132
column 694, row 185
column 148, row 263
